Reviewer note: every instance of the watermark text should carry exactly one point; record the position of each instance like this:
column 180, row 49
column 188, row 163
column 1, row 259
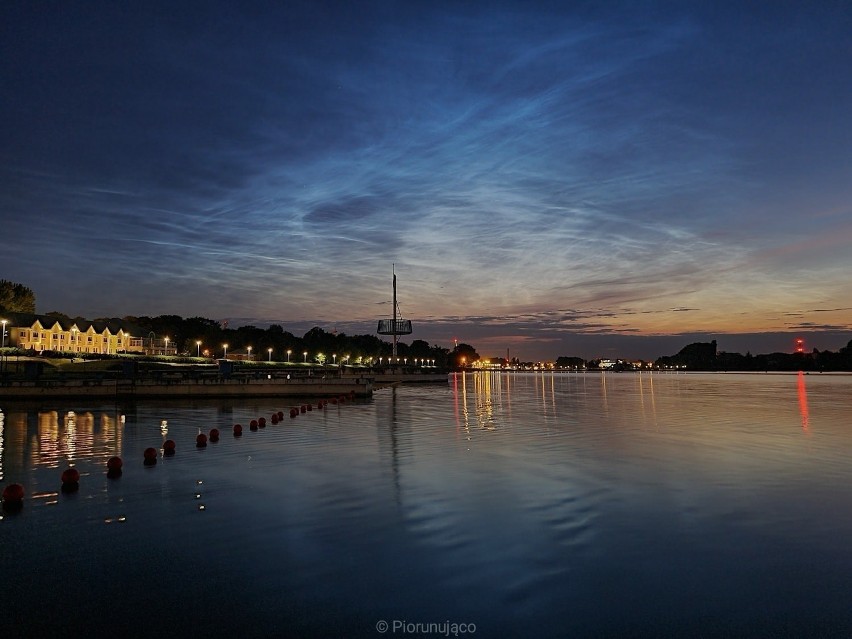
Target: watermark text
column 437, row 628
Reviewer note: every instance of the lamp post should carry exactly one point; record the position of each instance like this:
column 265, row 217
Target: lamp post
column 269, row 350
column 305, row 354
column 198, row 346
column 334, row 355
column 167, row 347
column 4, row 322
column 288, row 356
column 225, row 346
column 249, row 353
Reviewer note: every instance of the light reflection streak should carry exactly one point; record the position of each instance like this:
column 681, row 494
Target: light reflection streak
column 802, row 392
column 46, row 441
column 70, row 438
column 553, row 393
column 2, row 447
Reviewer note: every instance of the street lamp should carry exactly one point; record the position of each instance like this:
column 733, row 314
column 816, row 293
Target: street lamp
column 306, row 356
column 225, row 346
column 269, row 350
column 3, row 344
column 167, row 346
column 249, row 353
column 198, row 346
column 334, row 355
column 288, row 356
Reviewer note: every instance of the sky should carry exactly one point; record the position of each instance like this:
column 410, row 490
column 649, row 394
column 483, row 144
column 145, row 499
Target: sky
column 593, row 179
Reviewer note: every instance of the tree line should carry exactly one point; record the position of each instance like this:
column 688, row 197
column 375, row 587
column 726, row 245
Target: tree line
column 704, row 356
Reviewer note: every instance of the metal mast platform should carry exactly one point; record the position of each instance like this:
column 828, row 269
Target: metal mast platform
column 396, row 326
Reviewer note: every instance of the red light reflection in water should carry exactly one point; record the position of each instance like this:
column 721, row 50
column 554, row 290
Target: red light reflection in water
column 803, row 400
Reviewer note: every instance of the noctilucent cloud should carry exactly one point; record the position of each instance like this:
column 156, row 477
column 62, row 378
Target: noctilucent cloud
column 591, row 179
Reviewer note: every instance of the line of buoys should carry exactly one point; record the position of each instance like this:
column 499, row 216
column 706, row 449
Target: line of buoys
column 13, row 497
column 150, row 456
column 13, row 494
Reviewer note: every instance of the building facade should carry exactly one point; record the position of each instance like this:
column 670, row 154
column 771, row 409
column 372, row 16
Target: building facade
column 41, row 333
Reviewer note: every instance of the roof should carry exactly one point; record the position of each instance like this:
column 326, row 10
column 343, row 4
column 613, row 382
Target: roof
column 25, row 320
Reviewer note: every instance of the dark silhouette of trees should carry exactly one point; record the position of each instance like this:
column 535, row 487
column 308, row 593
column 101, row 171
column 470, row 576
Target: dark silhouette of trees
column 701, row 356
column 463, row 355
column 186, row 333
column 16, row 298
column 570, row 362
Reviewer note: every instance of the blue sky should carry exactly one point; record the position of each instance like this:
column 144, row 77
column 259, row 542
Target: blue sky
column 590, row 179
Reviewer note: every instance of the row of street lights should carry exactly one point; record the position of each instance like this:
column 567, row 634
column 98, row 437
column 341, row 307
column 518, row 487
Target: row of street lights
column 417, row 361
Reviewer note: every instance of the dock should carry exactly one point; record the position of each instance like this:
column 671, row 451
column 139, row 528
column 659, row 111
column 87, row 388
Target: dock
column 124, row 389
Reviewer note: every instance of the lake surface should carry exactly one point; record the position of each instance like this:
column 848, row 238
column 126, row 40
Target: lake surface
column 525, row 504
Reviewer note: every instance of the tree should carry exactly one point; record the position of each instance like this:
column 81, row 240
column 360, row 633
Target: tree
column 570, row 362
column 16, row 298
column 463, row 355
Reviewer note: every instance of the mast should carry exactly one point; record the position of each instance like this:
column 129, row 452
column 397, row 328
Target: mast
column 393, row 268
column 395, row 326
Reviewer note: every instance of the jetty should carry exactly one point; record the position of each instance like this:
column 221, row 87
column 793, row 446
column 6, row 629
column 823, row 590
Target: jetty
column 124, row 389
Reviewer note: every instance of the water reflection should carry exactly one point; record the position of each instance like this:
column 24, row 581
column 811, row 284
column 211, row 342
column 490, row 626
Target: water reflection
column 50, row 439
column 486, row 398
column 803, row 400
column 2, row 422
column 567, row 503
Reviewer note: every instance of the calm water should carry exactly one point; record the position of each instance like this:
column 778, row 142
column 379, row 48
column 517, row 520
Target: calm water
column 529, row 505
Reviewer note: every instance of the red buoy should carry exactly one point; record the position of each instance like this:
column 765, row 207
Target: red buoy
column 280, row 414
column 253, row 424
column 214, row 434
column 262, row 422
column 150, row 456
column 293, row 412
column 310, row 407
column 238, row 430
column 303, row 409
column 169, row 447
column 201, row 440
column 319, row 405
column 114, row 465
column 70, row 476
column 333, row 400
column 13, row 497
column 274, row 419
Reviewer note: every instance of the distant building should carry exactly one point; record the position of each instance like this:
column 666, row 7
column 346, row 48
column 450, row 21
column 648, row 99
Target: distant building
column 46, row 333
